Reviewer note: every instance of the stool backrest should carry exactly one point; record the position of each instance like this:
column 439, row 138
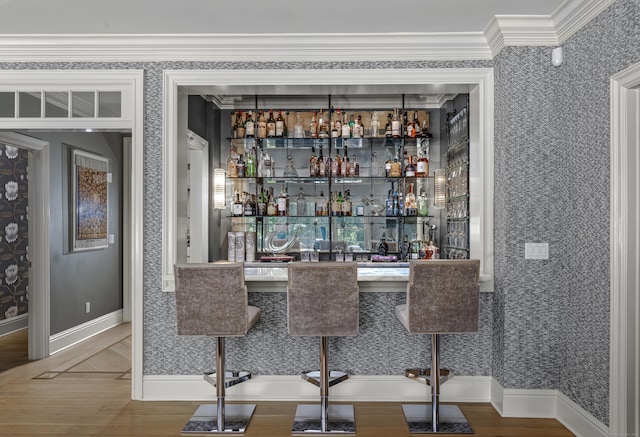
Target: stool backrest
column 323, row 299
column 443, row 296
column 211, row 299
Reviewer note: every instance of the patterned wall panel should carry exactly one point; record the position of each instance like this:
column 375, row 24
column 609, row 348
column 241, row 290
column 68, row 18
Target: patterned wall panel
column 14, row 241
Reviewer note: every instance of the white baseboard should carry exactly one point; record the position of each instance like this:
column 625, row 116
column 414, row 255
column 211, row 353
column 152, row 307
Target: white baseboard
column 367, row 388
column 88, row 329
column 551, row 404
column 14, row 324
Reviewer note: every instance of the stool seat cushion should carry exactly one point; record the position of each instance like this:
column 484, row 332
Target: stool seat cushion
column 254, row 315
column 403, row 315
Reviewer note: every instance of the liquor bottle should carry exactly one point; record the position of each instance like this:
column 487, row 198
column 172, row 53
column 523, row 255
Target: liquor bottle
column 335, row 204
column 335, row 133
column 313, row 163
column 281, row 126
column 283, row 201
column 290, row 169
column 322, row 165
column 301, row 204
column 395, row 205
column 423, row 203
column 240, row 166
column 395, row 124
column 346, row 127
column 313, row 126
column 387, row 127
column 249, row 204
column 396, row 168
column 360, row 126
column 271, row 125
column 410, row 127
column 345, row 207
column 352, row 127
column 374, row 164
column 323, row 125
column 345, row 165
column 249, row 126
column 410, row 205
column 416, row 124
column 298, row 129
column 422, row 166
column 410, row 169
column 338, row 123
column 321, row 205
column 383, row 247
column 239, row 127
column 237, row 209
column 250, row 164
column 267, row 164
column 375, row 125
column 389, row 203
column 387, row 164
column 424, row 131
column 232, row 164
column 262, row 203
column 336, row 164
column 272, row 208
column 354, row 169
column 262, row 125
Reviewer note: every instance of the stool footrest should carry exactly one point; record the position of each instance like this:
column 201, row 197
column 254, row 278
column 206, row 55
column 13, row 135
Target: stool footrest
column 230, row 378
column 424, row 375
column 335, row 377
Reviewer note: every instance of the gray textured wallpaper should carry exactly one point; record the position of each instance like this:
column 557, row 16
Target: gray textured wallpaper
column 547, row 324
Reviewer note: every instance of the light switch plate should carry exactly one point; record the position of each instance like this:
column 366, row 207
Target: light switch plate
column 536, row 250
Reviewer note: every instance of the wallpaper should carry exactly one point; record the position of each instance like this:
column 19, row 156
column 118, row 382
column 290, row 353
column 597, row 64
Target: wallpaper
column 14, row 242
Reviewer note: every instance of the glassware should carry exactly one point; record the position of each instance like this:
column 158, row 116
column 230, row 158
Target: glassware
column 290, row 170
column 301, row 204
column 298, row 128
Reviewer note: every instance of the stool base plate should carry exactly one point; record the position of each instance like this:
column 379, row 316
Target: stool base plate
column 452, row 421
column 205, row 420
column 307, row 420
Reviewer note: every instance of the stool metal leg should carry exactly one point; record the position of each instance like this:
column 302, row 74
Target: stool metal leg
column 324, row 418
column 220, row 418
column 435, row 418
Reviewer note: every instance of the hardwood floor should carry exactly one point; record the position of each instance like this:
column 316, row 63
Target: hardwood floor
column 86, row 389
column 13, row 350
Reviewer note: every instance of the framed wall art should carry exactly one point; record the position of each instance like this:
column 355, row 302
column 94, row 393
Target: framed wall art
column 90, row 208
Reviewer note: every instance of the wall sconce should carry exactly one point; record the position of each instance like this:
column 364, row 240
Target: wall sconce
column 440, row 189
column 219, row 189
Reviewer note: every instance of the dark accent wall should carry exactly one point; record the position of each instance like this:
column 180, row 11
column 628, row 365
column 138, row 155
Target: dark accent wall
column 14, row 236
column 93, row 276
column 196, row 119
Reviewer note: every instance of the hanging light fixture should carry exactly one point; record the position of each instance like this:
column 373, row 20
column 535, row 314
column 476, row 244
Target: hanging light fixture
column 440, row 189
column 219, row 189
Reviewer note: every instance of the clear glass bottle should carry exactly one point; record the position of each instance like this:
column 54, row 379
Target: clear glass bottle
column 410, row 127
column 354, row 169
column 410, row 169
column 237, row 208
column 283, row 201
column 321, row 205
column 336, row 163
column 345, row 165
column 410, row 205
column 281, row 126
column 423, row 203
column 261, row 210
column 375, row 125
column 395, row 124
column 239, row 126
column 360, row 126
column 232, row 164
column 267, row 165
column 338, row 122
column 240, row 165
column 323, row 125
column 298, row 128
column 301, row 204
column 416, row 123
column 271, row 125
column 422, row 166
column 346, row 205
column 396, row 168
column 250, row 164
column 387, row 164
column 346, row 127
column 374, row 165
column 387, row 127
column 272, row 208
column 322, row 165
column 290, row 170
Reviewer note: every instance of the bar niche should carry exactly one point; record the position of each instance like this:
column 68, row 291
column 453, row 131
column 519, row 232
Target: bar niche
column 341, row 184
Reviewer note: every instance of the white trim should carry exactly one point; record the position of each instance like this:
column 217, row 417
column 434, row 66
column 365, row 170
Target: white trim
column 480, row 81
column 86, row 330
column 362, row 388
column 14, row 324
column 546, row 404
column 501, row 31
column 39, row 274
column 624, row 364
column 573, row 15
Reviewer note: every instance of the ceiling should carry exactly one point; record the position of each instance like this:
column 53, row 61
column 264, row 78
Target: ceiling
column 34, row 17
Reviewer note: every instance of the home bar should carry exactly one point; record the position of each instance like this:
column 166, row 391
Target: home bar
column 318, row 183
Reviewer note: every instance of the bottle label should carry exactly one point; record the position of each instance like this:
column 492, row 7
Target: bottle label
column 410, row 173
column 271, row 129
column 279, row 128
column 282, row 204
column 422, row 167
column 249, row 130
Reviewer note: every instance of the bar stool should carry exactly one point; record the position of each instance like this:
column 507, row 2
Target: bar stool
column 323, row 300
column 442, row 298
column 212, row 300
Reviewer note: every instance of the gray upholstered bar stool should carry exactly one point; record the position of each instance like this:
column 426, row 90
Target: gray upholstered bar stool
column 212, row 300
column 323, row 301
column 442, row 298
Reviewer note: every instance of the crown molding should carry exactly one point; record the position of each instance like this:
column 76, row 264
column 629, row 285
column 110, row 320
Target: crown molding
column 245, row 47
column 502, row 31
column 573, row 15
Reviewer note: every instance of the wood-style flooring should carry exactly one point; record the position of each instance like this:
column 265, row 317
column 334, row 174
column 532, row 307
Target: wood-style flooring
column 86, row 390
